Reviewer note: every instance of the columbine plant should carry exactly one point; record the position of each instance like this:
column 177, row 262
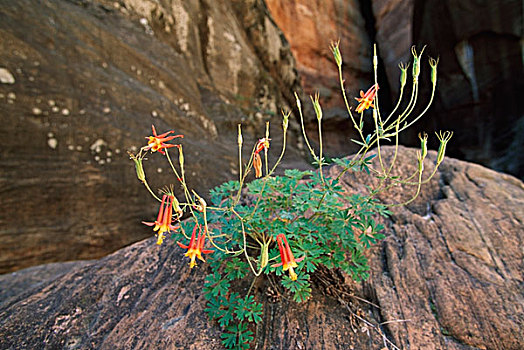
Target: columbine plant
column 256, row 229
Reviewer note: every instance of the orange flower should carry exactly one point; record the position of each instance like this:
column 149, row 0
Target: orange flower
column 156, row 142
column 257, row 165
column 366, row 99
column 287, row 258
column 163, row 221
column 195, row 248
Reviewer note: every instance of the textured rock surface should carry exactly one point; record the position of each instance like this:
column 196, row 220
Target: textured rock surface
column 82, row 82
column 310, row 26
column 482, row 76
column 480, row 71
column 447, row 276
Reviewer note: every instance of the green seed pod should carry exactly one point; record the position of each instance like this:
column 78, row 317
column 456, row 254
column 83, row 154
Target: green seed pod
column 416, row 62
column 336, row 53
column 423, row 144
column 420, row 162
column 316, row 106
column 433, row 63
column 139, row 167
column 264, row 256
column 443, row 137
column 403, row 74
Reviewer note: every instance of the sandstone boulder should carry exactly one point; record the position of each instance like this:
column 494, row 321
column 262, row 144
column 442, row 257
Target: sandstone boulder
column 81, row 83
column 447, row 276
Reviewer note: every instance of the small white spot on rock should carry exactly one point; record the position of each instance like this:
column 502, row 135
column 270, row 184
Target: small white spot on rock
column 31, row 78
column 154, row 114
column 133, row 68
column 36, row 111
column 97, row 158
column 52, row 142
column 152, row 81
column 82, row 111
column 50, row 134
column 55, row 109
column 138, row 71
column 108, row 160
column 109, row 153
column 65, row 111
column 117, row 151
column 51, row 103
column 11, row 96
column 78, row 148
column 133, row 148
column 104, row 64
column 159, row 170
column 97, row 144
column 102, row 162
column 106, row 110
column 161, row 84
column 6, row 77
column 70, row 147
column 103, row 91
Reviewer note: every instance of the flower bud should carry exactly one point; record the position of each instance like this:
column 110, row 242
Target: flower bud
column 299, row 105
column 181, row 156
column 443, row 137
column 239, row 139
column 423, row 144
column 336, row 53
column 285, row 121
column 375, row 58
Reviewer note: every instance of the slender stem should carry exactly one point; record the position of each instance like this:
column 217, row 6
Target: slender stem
column 150, row 191
column 304, row 132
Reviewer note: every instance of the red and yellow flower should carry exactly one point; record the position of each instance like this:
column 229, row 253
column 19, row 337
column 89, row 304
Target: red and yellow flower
column 164, row 219
column 366, row 99
column 288, row 261
column 195, row 248
column 257, row 165
column 158, row 142
column 263, row 144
